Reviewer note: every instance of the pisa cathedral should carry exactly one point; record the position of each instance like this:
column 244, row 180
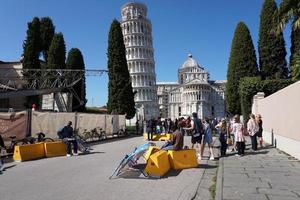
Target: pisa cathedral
column 193, row 92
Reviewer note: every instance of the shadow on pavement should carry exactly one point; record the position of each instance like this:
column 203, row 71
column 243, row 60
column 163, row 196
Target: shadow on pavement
column 8, row 167
column 89, row 153
column 206, row 166
column 256, row 152
column 135, row 173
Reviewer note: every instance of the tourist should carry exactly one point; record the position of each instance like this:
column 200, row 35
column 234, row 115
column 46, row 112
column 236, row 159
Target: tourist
column 150, row 128
column 223, row 135
column 66, row 134
column 169, row 125
column 239, row 135
column 252, row 128
column 159, row 126
column 188, row 125
column 197, row 132
column 176, row 143
column 207, row 139
column 260, row 130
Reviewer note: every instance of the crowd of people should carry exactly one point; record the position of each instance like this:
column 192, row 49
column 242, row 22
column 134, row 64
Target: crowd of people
column 231, row 132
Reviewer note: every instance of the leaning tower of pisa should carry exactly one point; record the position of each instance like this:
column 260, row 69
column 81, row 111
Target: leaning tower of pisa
column 137, row 32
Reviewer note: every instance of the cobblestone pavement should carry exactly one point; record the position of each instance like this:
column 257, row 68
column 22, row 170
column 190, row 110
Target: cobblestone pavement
column 267, row 174
column 207, row 184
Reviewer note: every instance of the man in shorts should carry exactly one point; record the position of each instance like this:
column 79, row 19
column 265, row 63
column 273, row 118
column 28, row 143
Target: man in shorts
column 197, row 132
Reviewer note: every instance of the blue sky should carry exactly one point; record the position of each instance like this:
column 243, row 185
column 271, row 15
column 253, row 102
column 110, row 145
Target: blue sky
column 202, row 27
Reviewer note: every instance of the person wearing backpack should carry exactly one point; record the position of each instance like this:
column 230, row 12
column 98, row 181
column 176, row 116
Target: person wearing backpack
column 66, row 134
column 197, row 132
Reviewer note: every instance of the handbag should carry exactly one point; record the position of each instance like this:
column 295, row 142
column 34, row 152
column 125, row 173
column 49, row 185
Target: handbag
column 229, row 141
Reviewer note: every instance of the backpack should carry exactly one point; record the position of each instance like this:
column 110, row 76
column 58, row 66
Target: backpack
column 198, row 130
column 60, row 133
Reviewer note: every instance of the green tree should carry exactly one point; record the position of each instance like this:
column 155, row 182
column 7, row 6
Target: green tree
column 271, row 47
column 57, row 52
column 31, row 52
column 242, row 63
column 32, row 45
column 289, row 11
column 296, row 67
column 120, row 93
column 47, row 30
column 75, row 61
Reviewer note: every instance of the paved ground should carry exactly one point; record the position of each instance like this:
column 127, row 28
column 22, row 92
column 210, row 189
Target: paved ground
column 266, row 174
column 86, row 177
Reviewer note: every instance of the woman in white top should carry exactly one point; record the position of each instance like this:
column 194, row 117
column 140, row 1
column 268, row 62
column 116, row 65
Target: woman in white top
column 239, row 136
column 252, row 128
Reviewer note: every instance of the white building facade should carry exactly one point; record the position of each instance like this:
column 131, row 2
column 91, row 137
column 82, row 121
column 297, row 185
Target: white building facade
column 137, row 33
column 193, row 92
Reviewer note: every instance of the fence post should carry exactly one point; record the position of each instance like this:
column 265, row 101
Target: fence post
column 29, row 122
column 75, row 123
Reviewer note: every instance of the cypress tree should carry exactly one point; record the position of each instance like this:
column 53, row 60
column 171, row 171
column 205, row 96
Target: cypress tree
column 271, row 46
column 32, row 46
column 57, row 52
column 120, row 93
column 47, row 32
column 242, row 63
column 295, row 53
column 75, row 61
column 31, row 52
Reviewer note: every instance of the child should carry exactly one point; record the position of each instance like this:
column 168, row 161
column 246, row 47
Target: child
column 239, row 135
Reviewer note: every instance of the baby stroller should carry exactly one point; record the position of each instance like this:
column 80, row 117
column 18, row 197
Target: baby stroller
column 131, row 159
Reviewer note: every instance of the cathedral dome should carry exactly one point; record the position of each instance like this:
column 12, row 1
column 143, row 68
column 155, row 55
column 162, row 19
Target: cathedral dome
column 190, row 62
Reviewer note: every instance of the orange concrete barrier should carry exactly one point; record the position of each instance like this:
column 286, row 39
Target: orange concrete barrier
column 158, row 164
column 53, row 149
column 29, row 152
column 152, row 150
column 183, row 159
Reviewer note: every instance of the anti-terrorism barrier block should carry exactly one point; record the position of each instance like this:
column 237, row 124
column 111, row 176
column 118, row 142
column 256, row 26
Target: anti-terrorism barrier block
column 183, row 159
column 158, row 164
column 155, row 136
column 165, row 137
column 53, row 149
column 151, row 151
column 29, row 152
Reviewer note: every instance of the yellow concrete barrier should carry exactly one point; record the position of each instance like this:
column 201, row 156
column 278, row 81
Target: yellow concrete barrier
column 29, row 152
column 152, row 150
column 183, row 159
column 158, row 164
column 159, row 137
column 155, row 136
column 165, row 137
column 53, row 149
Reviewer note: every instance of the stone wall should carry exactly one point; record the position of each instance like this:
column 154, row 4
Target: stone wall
column 281, row 121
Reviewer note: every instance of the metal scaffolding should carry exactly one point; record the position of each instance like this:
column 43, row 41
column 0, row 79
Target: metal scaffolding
column 28, row 82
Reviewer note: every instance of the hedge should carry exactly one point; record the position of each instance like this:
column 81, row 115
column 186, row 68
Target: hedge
column 250, row 86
